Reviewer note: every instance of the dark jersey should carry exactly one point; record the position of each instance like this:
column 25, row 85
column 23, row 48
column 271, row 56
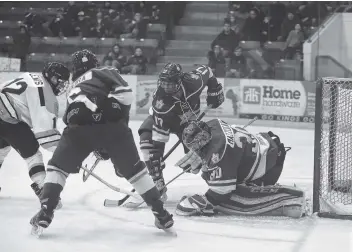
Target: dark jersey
column 234, row 155
column 170, row 113
column 98, row 95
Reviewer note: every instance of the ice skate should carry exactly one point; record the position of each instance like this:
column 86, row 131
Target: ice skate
column 164, row 219
column 41, row 220
column 38, row 191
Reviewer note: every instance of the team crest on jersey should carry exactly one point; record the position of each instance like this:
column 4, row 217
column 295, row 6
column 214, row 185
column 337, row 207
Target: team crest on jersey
column 194, row 76
column 215, row 158
column 228, row 132
column 97, row 116
column 37, row 80
column 159, row 104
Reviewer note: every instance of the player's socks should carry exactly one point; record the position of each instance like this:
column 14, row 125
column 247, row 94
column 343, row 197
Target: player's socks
column 38, row 191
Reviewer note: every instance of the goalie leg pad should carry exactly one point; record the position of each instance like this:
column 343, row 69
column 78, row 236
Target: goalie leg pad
column 195, row 205
column 265, row 200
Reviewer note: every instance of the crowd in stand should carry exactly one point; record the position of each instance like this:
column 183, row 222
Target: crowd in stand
column 121, row 19
column 287, row 22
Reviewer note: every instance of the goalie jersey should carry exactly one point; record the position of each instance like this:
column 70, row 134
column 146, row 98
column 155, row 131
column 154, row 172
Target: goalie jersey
column 171, row 112
column 30, row 99
column 234, row 156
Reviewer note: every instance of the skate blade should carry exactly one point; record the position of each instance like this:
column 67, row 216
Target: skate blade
column 37, row 231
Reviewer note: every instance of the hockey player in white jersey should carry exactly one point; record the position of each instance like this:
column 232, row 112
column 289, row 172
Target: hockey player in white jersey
column 28, row 112
column 241, row 170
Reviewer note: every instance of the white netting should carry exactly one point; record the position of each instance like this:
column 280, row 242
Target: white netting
column 336, row 147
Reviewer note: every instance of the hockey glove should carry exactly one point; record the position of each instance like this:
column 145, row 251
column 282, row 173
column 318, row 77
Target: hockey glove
column 195, row 205
column 101, row 154
column 215, row 97
column 190, row 160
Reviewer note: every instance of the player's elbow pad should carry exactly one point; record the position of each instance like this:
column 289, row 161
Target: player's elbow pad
column 49, row 139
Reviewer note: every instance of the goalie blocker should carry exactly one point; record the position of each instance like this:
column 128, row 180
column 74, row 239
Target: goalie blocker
column 241, row 170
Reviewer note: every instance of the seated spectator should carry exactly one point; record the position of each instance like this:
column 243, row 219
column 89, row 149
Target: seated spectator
column 309, row 13
column 108, row 61
column 137, row 63
column 216, row 61
column 56, row 26
column 277, row 12
column 294, row 42
column 232, row 22
column 288, row 25
column 227, row 39
column 237, row 66
column 252, row 27
column 155, row 17
column 82, row 26
column 90, row 9
column 98, row 27
column 21, row 42
column 118, row 26
column 118, row 60
column 137, row 28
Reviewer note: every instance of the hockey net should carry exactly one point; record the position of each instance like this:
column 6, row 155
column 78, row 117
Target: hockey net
column 333, row 148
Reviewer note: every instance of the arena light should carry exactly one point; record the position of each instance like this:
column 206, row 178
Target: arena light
column 0, row 21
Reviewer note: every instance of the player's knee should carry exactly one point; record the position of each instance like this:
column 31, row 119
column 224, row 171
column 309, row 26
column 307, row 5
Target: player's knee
column 36, row 168
column 3, row 153
column 56, row 176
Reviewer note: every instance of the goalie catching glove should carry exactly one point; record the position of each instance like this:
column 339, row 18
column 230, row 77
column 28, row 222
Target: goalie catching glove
column 196, row 205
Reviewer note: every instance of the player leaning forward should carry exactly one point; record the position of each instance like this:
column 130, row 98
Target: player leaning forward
column 96, row 119
column 175, row 102
column 28, row 111
column 241, row 170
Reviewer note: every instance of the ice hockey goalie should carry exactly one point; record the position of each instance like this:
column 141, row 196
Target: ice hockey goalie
column 241, row 170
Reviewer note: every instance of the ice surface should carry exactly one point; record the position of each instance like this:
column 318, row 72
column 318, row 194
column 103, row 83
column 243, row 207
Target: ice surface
column 83, row 224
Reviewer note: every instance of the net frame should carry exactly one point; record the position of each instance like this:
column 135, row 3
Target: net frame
column 326, row 198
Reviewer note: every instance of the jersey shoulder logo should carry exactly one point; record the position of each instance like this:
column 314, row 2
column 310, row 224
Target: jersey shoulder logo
column 215, row 158
column 159, row 104
column 97, row 116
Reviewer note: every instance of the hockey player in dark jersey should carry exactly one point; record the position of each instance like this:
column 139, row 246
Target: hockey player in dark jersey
column 175, row 102
column 96, row 119
column 241, row 170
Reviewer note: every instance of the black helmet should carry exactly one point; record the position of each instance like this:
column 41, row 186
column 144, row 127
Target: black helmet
column 196, row 135
column 82, row 61
column 170, row 78
column 57, row 75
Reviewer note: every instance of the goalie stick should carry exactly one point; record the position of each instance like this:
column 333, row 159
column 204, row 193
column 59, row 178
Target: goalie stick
column 116, row 203
column 122, row 201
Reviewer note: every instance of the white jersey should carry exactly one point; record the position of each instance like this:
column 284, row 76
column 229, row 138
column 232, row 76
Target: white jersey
column 30, row 99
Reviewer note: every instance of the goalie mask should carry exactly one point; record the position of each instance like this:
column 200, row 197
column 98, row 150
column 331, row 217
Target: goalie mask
column 170, row 78
column 82, row 61
column 196, row 135
column 57, row 75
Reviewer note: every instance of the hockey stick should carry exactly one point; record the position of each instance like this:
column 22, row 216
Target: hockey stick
column 86, row 175
column 116, row 203
column 114, row 188
column 122, row 201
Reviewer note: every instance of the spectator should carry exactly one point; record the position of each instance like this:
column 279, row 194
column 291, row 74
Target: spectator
column 277, row 12
column 118, row 60
column 227, row 39
column 82, row 26
column 294, row 42
column 71, row 11
column 237, row 67
column 155, row 15
column 21, row 42
column 90, row 9
column 108, row 61
column 232, row 22
column 270, row 30
column 34, row 23
column 216, row 61
column 98, row 27
column 137, row 28
column 288, row 25
column 137, row 63
column 118, row 27
column 56, row 25
column 252, row 27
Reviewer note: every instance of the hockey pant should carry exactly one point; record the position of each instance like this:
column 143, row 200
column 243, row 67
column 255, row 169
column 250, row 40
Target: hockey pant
column 78, row 141
column 22, row 139
column 264, row 201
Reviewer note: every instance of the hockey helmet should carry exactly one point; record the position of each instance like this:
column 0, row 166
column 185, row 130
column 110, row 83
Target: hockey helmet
column 57, row 75
column 196, row 135
column 170, row 78
column 82, row 61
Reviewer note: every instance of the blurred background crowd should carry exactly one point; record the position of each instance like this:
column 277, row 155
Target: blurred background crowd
column 236, row 39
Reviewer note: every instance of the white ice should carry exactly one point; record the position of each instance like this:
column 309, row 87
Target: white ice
column 84, row 224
